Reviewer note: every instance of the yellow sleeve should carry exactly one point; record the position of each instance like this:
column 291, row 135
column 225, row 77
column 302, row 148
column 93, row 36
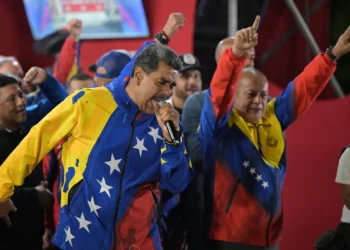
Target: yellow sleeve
column 44, row 136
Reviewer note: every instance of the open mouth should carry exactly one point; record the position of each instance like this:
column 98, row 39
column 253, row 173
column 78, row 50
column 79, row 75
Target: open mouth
column 160, row 98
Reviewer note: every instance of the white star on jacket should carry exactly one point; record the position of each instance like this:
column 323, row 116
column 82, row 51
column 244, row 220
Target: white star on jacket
column 246, row 164
column 265, row 184
column 69, row 236
column 140, row 145
column 93, row 206
column 113, row 164
column 155, row 134
column 83, row 223
column 252, row 171
column 258, row 177
column 104, row 187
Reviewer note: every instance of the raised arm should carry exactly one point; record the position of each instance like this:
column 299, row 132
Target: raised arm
column 219, row 99
column 52, row 89
column 66, row 63
column 172, row 26
column 306, row 87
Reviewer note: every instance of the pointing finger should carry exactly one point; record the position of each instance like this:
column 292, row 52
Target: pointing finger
column 256, row 23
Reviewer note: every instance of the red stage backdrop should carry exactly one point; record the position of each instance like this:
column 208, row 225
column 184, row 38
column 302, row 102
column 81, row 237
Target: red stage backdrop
column 312, row 200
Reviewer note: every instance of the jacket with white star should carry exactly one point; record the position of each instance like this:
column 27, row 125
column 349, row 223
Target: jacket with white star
column 244, row 163
column 112, row 165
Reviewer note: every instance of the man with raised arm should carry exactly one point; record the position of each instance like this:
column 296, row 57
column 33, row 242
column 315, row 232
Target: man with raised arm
column 116, row 152
column 244, row 155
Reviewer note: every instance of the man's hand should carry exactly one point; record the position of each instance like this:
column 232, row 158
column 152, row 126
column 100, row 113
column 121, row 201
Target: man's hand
column 75, row 27
column 166, row 113
column 343, row 45
column 45, row 197
column 35, row 76
column 47, row 239
column 5, row 208
column 174, row 23
column 245, row 39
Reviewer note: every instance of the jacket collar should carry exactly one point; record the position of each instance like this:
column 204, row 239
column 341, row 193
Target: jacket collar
column 117, row 87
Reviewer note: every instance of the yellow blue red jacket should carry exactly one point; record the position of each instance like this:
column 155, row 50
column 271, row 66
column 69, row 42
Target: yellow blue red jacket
column 245, row 163
column 112, row 165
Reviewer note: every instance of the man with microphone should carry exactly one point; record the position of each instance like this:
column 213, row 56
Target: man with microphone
column 113, row 165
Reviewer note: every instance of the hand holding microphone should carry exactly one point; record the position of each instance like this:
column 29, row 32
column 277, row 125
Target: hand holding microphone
column 168, row 119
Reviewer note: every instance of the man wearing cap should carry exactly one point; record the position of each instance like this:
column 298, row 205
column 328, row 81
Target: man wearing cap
column 188, row 82
column 110, row 65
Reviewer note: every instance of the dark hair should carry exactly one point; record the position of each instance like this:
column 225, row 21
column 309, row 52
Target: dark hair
column 7, row 79
column 79, row 77
column 151, row 55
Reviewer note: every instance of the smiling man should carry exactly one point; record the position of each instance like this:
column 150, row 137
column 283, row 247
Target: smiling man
column 244, row 150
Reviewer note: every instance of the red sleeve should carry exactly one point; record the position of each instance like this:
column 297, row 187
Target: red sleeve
column 224, row 82
column 304, row 89
column 65, row 61
column 310, row 83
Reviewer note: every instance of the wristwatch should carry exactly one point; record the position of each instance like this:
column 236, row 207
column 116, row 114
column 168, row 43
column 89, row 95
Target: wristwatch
column 162, row 38
column 330, row 54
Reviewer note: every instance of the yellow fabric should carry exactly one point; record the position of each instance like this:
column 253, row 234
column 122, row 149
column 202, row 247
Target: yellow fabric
column 268, row 131
column 79, row 124
column 74, row 70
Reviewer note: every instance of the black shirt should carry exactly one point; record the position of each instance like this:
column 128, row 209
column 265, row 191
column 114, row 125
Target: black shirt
column 27, row 222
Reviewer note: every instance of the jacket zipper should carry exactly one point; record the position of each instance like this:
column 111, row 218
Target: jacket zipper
column 121, row 183
column 275, row 197
column 234, row 190
column 275, row 209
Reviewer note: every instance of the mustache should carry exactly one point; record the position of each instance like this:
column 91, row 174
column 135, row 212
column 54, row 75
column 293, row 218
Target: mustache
column 160, row 98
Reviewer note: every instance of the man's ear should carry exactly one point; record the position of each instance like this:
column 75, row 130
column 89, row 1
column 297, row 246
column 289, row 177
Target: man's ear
column 139, row 74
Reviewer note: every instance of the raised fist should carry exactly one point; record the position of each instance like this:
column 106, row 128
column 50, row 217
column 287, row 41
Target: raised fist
column 75, row 27
column 343, row 45
column 174, row 23
column 35, row 76
column 245, row 39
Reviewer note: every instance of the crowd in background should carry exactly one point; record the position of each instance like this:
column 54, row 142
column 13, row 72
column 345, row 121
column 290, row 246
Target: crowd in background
column 182, row 217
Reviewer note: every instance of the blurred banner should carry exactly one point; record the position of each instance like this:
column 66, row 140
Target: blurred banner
column 103, row 19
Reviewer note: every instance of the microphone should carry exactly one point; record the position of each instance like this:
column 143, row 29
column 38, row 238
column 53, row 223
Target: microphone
column 173, row 133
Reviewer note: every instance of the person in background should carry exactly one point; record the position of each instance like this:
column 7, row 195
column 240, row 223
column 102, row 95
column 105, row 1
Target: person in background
column 188, row 82
column 173, row 217
column 194, row 202
column 79, row 81
column 9, row 64
column 243, row 146
column 342, row 238
column 110, row 65
column 117, row 150
column 66, row 64
column 15, row 121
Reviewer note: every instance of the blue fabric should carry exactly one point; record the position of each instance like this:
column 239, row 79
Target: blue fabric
column 55, row 93
column 113, row 62
column 129, row 198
